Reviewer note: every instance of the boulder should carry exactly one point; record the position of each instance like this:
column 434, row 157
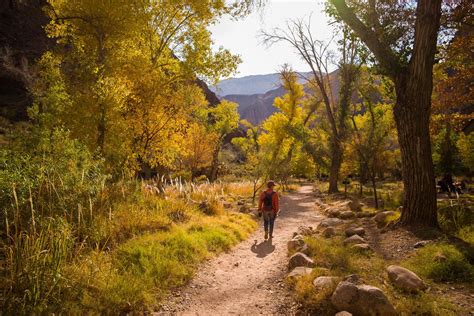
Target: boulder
column 325, row 282
column 405, row 279
column 299, row 272
column 364, row 214
column 343, row 313
column 354, row 239
column 297, row 236
column 306, row 230
column 381, row 218
column 299, row 259
column 328, row 232
column 305, row 249
column 355, row 206
column 362, row 247
column 332, row 213
column 330, row 222
column 347, row 215
column 353, row 278
column 355, row 231
column 295, row 244
column 361, row 300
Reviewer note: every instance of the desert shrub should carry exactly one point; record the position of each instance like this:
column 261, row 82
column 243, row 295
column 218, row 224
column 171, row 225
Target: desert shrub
column 442, row 262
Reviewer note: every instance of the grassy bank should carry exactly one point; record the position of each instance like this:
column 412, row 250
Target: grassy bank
column 122, row 254
column 334, row 259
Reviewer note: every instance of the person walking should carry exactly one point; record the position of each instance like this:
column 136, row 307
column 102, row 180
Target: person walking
column 268, row 205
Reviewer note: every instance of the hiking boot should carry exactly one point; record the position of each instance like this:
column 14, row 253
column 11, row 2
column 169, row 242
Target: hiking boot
column 266, row 235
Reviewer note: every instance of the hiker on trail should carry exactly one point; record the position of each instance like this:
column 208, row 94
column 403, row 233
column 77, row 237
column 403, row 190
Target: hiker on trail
column 268, row 205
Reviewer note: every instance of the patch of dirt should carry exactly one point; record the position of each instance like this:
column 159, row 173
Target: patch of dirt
column 248, row 280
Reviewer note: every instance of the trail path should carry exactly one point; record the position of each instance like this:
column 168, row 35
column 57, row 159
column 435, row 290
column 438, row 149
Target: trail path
column 249, row 279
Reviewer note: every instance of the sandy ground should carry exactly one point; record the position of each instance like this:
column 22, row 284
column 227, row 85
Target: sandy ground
column 248, row 280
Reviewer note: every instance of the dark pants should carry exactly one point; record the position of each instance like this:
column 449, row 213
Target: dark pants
column 268, row 220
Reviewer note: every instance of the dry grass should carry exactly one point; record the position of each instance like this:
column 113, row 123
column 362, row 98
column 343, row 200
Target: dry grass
column 123, row 254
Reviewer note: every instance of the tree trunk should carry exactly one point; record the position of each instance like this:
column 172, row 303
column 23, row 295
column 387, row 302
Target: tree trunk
column 414, row 86
column 336, row 160
column 215, row 164
column 412, row 116
column 374, row 189
column 101, row 128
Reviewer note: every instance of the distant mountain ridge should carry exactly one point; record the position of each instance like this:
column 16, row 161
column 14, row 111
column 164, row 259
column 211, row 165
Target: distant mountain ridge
column 248, row 85
column 256, row 107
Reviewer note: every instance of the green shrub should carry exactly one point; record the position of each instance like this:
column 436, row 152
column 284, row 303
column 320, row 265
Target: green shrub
column 442, row 262
column 424, row 304
column 35, row 262
column 329, row 253
column 453, row 218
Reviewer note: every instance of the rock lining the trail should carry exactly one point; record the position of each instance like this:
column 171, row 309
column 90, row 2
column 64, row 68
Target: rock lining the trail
column 299, row 259
column 325, row 282
column 362, row 247
column 347, row 215
column 355, row 231
column 381, row 218
column 295, row 244
column 330, row 222
column 299, row 272
column 405, row 279
column 361, row 300
column 328, row 232
column 354, row 239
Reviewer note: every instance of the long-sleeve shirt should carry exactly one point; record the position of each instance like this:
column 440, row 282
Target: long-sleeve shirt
column 275, row 200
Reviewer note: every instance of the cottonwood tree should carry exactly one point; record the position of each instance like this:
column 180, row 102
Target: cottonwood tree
column 318, row 56
column 224, row 119
column 271, row 148
column 408, row 61
column 131, row 71
column 372, row 130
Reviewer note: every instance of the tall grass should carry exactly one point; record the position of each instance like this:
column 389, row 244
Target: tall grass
column 72, row 240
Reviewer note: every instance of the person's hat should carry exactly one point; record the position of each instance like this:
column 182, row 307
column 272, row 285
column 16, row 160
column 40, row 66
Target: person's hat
column 271, row 183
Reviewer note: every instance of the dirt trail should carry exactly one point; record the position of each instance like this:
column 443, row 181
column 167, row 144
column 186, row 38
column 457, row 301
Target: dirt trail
column 249, row 279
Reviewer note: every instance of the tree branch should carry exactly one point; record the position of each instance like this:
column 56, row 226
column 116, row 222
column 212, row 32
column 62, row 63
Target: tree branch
column 384, row 54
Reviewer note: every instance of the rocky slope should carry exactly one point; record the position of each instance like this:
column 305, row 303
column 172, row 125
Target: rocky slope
column 257, row 107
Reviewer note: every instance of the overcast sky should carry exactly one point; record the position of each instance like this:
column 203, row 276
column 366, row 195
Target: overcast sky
column 241, row 37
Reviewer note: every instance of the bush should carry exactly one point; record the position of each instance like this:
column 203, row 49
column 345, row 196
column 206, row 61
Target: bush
column 453, row 218
column 442, row 262
column 329, row 253
column 35, row 262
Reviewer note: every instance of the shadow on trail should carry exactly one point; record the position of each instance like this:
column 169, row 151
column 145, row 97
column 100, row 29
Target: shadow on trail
column 263, row 249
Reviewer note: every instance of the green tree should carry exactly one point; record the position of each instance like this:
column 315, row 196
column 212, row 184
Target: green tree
column 224, row 119
column 410, row 66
